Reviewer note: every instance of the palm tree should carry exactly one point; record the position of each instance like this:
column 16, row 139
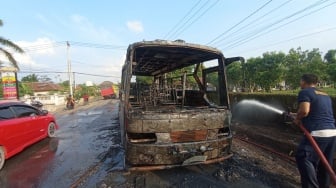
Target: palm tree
column 7, row 43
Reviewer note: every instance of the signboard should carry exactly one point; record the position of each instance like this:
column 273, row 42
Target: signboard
column 9, row 85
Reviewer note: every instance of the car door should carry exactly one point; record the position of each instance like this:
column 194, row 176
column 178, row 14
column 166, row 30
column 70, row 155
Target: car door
column 29, row 116
column 12, row 133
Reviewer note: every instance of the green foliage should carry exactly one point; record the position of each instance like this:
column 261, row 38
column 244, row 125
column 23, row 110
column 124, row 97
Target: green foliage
column 177, row 75
column 331, row 70
column 330, row 56
column 267, row 71
column 86, row 90
column 30, row 78
column 144, row 79
column 36, row 78
column 24, row 89
column 235, row 74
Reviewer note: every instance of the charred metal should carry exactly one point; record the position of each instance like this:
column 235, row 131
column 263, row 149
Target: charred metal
column 181, row 114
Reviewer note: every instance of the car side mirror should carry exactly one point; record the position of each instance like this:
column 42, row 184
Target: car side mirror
column 44, row 112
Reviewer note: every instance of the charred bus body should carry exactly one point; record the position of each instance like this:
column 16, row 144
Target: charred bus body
column 174, row 110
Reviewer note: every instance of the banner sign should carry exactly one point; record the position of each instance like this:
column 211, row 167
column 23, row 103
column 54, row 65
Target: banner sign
column 9, row 85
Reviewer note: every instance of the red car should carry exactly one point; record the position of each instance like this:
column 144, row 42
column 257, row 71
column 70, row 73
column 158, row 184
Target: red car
column 21, row 125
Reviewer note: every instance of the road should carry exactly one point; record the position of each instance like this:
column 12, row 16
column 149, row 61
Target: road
column 87, row 153
column 85, row 149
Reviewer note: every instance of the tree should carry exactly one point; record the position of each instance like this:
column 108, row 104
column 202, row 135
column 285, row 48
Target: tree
column 6, row 43
column 44, row 78
column 330, row 56
column 331, row 70
column 295, row 66
column 36, row 78
column 271, row 70
column 250, row 68
column 144, row 79
column 235, row 74
column 315, row 65
column 86, row 90
column 30, row 78
column 24, row 89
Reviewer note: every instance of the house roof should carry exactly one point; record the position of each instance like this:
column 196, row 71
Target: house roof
column 44, row 86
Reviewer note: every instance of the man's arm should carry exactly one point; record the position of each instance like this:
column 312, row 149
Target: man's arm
column 303, row 111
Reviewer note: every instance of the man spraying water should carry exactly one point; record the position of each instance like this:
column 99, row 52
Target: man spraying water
column 316, row 114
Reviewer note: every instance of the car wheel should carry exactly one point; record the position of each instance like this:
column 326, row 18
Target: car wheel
column 51, row 130
column 2, row 157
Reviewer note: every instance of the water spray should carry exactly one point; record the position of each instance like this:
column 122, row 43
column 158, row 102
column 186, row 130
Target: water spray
column 262, row 105
column 290, row 117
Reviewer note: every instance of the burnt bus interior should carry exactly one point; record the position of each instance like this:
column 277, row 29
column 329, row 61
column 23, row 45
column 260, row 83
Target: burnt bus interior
column 177, row 79
column 172, row 80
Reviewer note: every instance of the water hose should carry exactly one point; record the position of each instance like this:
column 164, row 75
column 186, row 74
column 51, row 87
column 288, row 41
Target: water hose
column 317, row 149
column 287, row 116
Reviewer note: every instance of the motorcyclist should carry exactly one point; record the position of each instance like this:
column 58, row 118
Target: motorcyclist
column 70, row 102
column 36, row 103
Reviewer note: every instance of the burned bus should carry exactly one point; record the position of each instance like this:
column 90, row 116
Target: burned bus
column 174, row 108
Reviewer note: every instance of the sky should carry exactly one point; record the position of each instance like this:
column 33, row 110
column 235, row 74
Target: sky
column 100, row 31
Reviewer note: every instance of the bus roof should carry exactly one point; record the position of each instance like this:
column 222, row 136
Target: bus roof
column 150, row 58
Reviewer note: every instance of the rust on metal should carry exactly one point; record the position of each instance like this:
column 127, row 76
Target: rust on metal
column 163, row 167
column 188, row 136
column 169, row 114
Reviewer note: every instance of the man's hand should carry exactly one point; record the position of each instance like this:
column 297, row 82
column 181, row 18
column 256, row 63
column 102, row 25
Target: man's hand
column 297, row 121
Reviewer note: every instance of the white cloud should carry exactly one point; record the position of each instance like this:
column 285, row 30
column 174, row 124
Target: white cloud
column 46, row 55
column 41, row 46
column 88, row 29
column 135, row 26
column 39, row 54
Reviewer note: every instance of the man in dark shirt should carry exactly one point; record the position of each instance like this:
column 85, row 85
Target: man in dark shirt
column 316, row 114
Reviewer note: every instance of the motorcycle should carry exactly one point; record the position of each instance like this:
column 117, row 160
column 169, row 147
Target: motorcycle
column 37, row 104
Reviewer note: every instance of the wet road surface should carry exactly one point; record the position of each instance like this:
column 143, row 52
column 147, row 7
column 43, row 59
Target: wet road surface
column 86, row 149
column 87, row 153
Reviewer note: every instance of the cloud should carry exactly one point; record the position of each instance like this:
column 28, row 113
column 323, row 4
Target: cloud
column 41, row 46
column 39, row 54
column 88, row 29
column 46, row 55
column 135, row 26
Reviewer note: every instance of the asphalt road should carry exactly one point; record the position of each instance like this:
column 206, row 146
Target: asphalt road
column 85, row 150
column 87, row 153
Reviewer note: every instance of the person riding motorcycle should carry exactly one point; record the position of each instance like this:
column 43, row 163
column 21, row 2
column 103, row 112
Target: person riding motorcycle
column 35, row 103
column 70, row 102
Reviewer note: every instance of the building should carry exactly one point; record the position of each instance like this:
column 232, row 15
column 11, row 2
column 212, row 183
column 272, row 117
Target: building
column 44, row 88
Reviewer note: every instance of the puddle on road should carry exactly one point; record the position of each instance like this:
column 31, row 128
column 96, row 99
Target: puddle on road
column 89, row 113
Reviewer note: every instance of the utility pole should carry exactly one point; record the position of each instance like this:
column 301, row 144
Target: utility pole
column 74, row 80
column 69, row 69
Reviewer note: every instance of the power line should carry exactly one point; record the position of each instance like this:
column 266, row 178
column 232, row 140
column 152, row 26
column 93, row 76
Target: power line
column 185, row 16
column 88, row 74
column 267, row 27
column 190, row 18
column 258, row 34
column 96, row 45
column 203, row 13
column 62, row 72
column 258, row 19
column 293, row 38
column 72, row 43
column 225, row 32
